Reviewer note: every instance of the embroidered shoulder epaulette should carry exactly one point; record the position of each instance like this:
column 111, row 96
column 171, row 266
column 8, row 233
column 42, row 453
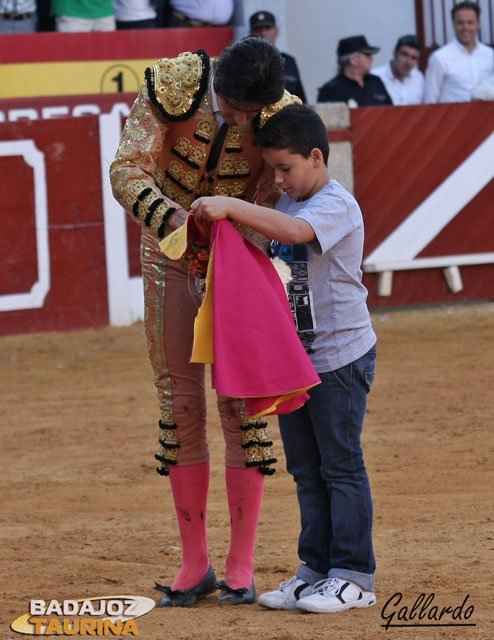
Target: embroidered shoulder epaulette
column 177, row 85
column 268, row 111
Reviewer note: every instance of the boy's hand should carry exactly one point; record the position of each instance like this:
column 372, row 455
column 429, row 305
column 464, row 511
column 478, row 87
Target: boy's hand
column 210, row 208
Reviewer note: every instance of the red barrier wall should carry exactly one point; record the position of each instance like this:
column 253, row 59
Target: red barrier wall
column 401, row 155
column 111, row 45
column 77, row 297
column 41, row 107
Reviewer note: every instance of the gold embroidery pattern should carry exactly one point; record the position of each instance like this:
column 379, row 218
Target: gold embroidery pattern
column 193, row 155
column 135, row 134
column 167, row 453
column 157, row 219
column 197, row 156
column 151, row 208
column 233, row 142
column 159, row 178
column 232, row 189
column 271, row 109
column 257, row 445
column 255, row 237
column 134, row 189
column 181, row 147
column 176, row 82
column 154, row 266
column 187, row 180
column 205, row 130
column 231, row 168
column 133, row 172
column 178, row 196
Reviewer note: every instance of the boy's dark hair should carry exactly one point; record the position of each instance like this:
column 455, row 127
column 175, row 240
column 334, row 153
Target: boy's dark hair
column 296, row 128
column 250, row 71
column 465, row 5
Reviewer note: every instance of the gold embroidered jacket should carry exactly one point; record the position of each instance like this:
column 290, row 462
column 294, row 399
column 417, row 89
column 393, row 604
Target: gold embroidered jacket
column 160, row 163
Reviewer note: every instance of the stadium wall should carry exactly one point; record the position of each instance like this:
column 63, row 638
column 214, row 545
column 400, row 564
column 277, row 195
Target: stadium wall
column 70, row 255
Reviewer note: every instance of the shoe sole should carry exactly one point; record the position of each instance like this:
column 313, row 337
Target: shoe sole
column 189, row 603
column 285, row 607
column 211, row 590
column 320, row 608
column 193, row 595
column 235, row 602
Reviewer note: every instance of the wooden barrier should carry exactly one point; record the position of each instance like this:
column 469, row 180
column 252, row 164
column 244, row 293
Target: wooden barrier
column 70, row 255
column 53, row 268
column 424, row 178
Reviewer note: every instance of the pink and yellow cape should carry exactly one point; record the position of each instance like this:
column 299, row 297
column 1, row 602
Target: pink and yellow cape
column 244, row 327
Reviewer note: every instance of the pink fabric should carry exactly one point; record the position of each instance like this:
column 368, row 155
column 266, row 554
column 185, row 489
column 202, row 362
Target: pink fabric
column 257, row 352
column 245, row 326
column 245, row 489
column 190, row 486
column 258, row 405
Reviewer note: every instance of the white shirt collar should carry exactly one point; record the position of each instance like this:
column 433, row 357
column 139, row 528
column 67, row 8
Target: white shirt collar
column 214, row 103
column 464, row 49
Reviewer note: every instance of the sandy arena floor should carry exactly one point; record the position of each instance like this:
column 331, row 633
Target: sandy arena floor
column 84, row 514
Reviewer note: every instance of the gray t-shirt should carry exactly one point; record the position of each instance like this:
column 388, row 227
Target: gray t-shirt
column 326, row 293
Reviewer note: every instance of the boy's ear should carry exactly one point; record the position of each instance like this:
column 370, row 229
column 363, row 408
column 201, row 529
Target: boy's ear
column 316, row 157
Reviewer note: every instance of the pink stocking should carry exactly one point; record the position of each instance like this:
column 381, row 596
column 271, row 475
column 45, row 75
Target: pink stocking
column 244, row 490
column 190, row 493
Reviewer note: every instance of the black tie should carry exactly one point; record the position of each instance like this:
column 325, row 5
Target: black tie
column 216, row 147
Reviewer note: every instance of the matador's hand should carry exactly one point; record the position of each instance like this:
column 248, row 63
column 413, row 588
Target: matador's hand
column 178, row 218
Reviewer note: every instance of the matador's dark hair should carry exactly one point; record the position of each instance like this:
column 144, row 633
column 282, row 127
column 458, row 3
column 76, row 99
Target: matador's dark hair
column 296, row 128
column 465, row 5
column 250, row 71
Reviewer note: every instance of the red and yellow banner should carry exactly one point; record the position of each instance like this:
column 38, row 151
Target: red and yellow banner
column 50, row 64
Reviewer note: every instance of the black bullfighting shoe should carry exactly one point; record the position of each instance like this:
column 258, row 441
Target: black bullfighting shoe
column 236, row 596
column 188, row 597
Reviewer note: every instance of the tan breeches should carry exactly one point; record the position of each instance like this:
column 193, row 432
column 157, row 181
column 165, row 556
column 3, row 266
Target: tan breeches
column 171, row 305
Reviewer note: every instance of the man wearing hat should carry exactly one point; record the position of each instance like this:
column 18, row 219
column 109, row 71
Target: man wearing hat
column 263, row 25
column 354, row 84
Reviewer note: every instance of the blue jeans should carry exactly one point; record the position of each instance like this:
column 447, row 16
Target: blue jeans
column 27, row 24
column 324, row 456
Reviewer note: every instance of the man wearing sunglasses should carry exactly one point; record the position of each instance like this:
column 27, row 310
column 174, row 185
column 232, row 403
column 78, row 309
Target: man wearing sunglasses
column 355, row 85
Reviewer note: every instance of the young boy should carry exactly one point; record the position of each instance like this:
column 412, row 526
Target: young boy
column 318, row 229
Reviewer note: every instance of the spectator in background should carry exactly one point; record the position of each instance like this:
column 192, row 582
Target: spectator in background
column 83, row 15
column 484, row 90
column 404, row 82
column 354, row 84
column 135, row 14
column 263, row 25
column 456, row 68
column 18, row 16
column 161, row 7
column 199, row 13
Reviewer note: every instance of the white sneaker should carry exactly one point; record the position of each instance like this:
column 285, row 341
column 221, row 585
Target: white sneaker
column 334, row 595
column 287, row 596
